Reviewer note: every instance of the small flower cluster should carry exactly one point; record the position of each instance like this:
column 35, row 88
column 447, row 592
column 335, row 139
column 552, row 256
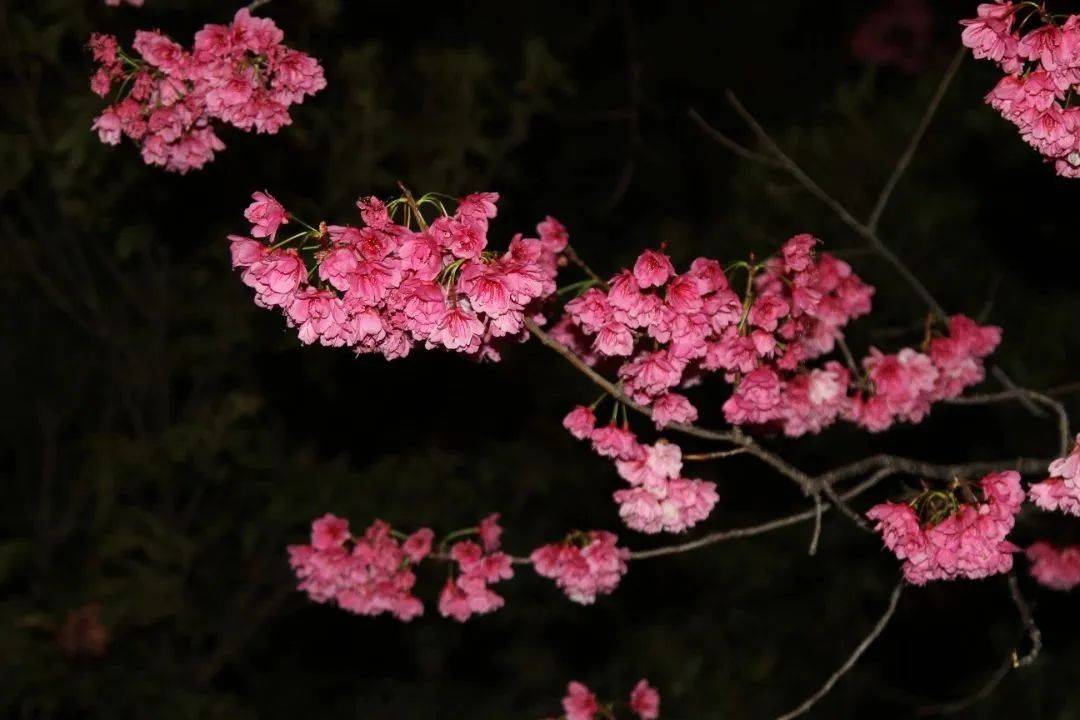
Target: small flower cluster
column 367, row 575
column 385, row 286
column 659, row 499
column 1056, row 568
column 1061, row 491
column 904, row 385
column 240, row 74
column 584, row 565
column 672, row 328
column 478, row 566
column 580, row 703
column 941, row 538
column 1042, row 72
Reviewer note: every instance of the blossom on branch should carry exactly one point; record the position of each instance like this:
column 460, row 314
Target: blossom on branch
column 168, row 96
column 1042, row 75
column 940, row 536
column 1061, row 491
column 385, row 286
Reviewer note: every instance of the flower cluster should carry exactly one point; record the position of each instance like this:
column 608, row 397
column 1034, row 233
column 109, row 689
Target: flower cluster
column 168, row 96
column 1061, row 491
column 584, row 565
column 1042, row 72
column 580, row 703
column 902, row 386
column 384, row 286
column 659, row 499
column 1056, row 568
column 941, row 538
column 478, row 565
column 672, row 328
column 367, row 575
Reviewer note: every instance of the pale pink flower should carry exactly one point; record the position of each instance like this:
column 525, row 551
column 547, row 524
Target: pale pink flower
column 579, row 703
column 645, row 701
column 1056, row 568
column 266, row 215
column 581, row 421
column 652, row 269
column 672, row 407
column 583, row 568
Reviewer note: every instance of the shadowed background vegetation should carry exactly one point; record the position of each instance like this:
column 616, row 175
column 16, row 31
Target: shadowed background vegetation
column 164, row 439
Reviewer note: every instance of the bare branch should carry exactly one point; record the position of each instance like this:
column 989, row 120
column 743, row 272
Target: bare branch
column 852, row 659
column 817, row 525
column 1019, row 393
column 722, row 535
column 964, row 703
column 700, row 457
column 730, row 144
column 573, row 257
column 916, row 138
column 1028, row 624
column 836, row 206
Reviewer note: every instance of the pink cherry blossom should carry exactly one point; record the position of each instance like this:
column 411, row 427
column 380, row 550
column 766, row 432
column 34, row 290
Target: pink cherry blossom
column 645, row 701
column 586, row 565
column 579, row 703
column 580, row 422
column 1056, row 568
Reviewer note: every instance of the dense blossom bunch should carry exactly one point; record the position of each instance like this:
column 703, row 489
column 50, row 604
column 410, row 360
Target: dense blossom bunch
column 1061, row 491
column 580, row 703
column 367, row 575
column 478, row 565
column 384, row 287
column 659, row 499
column 672, row 328
column 168, row 95
column 939, row 537
column 1056, row 568
column 904, row 385
column 584, row 566
column 1042, row 73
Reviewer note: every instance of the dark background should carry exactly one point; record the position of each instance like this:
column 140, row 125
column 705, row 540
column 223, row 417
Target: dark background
column 164, row 439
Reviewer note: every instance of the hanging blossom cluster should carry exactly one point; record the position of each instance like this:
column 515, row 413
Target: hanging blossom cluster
column 581, row 703
column 375, row 573
column 385, row 286
column 951, row 533
column 584, row 565
column 659, row 499
column 1056, row 568
column 1042, row 73
column 1061, row 491
column 673, row 329
column 168, row 96
column 367, row 575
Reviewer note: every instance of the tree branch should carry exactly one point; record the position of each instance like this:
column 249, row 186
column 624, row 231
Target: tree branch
column 916, row 138
column 852, row 659
column 1021, row 394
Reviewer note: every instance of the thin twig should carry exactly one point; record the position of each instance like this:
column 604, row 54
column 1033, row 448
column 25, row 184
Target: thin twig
column 256, row 4
column 1007, row 381
column 573, row 257
column 852, row 659
column 1017, row 393
column 1028, row 624
column 916, row 138
column 727, row 142
column 836, row 206
column 1064, row 389
column 982, row 693
column 722, row 535
column 701, row 457
column 816, row 536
